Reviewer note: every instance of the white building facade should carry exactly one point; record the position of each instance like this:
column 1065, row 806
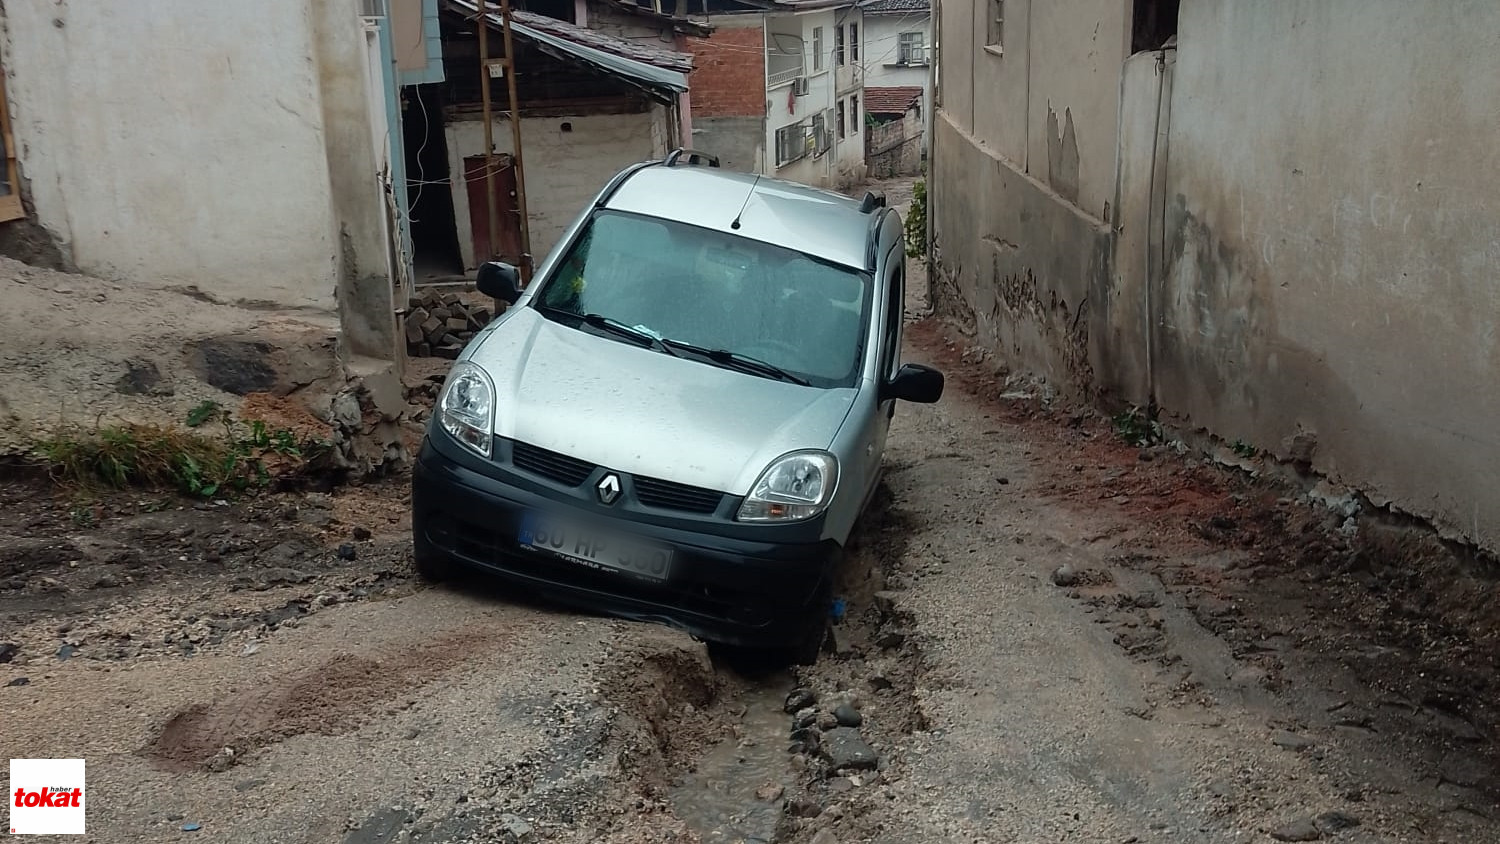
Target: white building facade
column 898, row 47
column 814, row 94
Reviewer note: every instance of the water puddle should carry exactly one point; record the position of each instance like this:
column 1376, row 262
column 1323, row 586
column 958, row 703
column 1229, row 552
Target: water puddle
column 735, row 794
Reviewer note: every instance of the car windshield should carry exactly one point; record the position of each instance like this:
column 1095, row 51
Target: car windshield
column 717, row 292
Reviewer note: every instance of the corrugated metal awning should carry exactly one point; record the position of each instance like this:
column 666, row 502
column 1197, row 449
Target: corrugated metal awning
column 661, row 82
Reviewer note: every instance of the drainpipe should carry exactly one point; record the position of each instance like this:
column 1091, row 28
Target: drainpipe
column 1026, row 151
column 930, row 260
column 1150, row 304
column 684, row 99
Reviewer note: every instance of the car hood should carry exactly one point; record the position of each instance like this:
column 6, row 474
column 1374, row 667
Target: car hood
column 641, row 411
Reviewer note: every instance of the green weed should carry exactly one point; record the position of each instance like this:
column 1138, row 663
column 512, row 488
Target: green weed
column 1138, row 428
column 234, row 457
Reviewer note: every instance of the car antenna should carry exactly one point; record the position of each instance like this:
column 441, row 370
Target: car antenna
column 736, row 224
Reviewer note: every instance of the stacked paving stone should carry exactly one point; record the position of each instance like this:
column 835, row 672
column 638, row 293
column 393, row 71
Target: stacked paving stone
column 440, row 324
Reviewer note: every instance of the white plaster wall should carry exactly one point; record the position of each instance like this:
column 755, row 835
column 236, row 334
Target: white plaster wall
column 1335, row 240
column 178, row 142
column 564, row 170
column 882, row 47
column 1057, row 58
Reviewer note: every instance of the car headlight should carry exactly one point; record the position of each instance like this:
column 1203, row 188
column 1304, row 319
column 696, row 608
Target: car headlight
column 466, row 408
column 794, row 487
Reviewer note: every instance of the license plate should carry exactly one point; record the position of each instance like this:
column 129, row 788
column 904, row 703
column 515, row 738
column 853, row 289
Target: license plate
column 600, row 550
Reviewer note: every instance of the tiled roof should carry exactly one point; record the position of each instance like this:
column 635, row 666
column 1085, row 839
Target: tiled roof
column 622, row 47
column 893, row 7
column 895, row 100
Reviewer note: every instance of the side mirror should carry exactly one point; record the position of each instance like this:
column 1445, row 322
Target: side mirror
column 499, row 281
column 915, row 383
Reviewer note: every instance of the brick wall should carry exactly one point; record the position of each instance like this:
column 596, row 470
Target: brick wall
column 729, row 70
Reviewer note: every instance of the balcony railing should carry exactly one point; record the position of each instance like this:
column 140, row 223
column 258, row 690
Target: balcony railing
column 782, row 68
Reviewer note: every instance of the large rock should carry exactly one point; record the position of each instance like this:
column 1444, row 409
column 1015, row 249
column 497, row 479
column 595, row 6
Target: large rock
column 846, row 748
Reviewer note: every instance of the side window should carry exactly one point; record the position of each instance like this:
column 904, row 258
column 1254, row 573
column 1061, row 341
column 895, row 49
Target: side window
column 890, row 360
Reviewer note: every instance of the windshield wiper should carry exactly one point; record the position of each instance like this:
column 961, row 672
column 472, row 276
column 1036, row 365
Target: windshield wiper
column 621, row 329
column 735, row 359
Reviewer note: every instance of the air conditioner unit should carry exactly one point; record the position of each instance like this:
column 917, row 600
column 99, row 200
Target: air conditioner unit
column 801, row 86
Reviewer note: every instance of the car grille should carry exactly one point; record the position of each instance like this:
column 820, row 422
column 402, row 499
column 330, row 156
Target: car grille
column 671, row 496
column 549, row 464
column 571, row 472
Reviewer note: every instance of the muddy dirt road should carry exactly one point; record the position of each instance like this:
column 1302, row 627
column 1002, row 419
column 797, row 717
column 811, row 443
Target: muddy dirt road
column 1048, row 636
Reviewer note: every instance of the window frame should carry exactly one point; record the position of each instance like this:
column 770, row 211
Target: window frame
column 842, row 126
column 854, row 42
column 856, row 120
column 817, row 49
column 792, row 136
column 911, row 48
column 838, row 46
column 994, row 35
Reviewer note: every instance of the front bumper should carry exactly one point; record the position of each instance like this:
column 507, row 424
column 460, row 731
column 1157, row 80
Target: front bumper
column 727, row 589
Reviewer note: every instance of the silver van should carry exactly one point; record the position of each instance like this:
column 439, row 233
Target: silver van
column 681, row 417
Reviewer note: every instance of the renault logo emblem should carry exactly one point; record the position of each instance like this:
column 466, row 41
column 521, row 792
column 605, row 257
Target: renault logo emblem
column 608, row 489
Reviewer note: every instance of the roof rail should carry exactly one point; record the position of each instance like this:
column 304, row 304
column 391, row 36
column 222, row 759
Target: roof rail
column 871, row 202
column 693, row 157
column 618, row 180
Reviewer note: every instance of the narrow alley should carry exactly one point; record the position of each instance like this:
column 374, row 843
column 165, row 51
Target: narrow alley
column 1049, row 634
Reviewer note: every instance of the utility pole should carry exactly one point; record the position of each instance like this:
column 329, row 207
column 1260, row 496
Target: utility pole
column 515, row 135
column 508, row 67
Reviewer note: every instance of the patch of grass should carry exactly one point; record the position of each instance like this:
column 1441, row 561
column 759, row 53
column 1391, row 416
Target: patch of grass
column 1138, row 427
column 1244, row 449
column 233, row 457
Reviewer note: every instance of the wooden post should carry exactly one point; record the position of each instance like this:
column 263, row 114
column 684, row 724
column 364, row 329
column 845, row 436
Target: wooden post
column 489, row 134
column 515, row 130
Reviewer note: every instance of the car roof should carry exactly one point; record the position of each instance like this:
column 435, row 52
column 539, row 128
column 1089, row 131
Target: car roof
column 810, row 220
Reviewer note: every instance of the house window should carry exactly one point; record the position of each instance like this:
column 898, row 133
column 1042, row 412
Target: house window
column 854, row 43
column 996, row 36
column 791, row 143
column 854, row 116
column 821, row 139
column 10, row 191
column 909, row 49
column 838, row 46
column 840, row 119
column 817, row 48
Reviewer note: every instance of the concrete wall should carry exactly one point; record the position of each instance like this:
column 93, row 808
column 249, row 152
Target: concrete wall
column 564, row 170
column 1015, row 261
column 895, row 148
column 198, row 161
column 728, row 89
column 1048, row 95
column 1332, row 242
column 1301, row 241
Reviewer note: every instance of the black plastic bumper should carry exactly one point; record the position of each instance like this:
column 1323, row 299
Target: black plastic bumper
column 730, row 590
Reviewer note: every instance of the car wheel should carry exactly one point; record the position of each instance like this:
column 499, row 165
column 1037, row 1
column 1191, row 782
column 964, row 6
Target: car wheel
column 805, row 651
column 430, row 564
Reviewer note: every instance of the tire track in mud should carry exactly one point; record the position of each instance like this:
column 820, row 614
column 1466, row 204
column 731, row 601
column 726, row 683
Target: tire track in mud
column 752, row 772
column 334, row 697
